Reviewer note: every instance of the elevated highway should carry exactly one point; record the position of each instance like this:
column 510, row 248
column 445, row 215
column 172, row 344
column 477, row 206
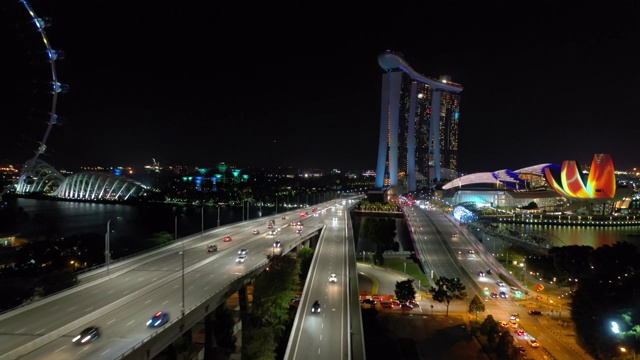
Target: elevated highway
column 121, row 302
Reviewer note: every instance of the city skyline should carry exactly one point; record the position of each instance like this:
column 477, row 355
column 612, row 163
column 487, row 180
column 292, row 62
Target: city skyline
column 198, row 83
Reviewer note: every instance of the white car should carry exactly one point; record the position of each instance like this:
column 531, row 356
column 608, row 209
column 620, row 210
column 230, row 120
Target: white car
column 241, row 258
column 333, row 278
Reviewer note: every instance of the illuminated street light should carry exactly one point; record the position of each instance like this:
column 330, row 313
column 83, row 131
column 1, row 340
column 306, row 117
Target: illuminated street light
column 107, row 244
column 182, row 252
column 219, row 205
column 615, row 328
column 623, row 350
column 202, row 215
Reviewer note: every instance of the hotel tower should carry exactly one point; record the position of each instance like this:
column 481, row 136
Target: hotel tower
column 418, row 124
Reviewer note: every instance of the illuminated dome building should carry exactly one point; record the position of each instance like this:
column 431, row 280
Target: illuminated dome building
column 553, row 188
column 98, row 186
column 504, row 189
column 39, row 178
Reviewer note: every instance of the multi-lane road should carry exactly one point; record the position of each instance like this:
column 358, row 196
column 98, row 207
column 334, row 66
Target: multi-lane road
column 122, row 303
column 325, row 335
column 461, row 256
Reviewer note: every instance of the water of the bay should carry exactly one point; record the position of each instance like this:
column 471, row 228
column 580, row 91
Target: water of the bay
column 50, row 219
column 45, row 218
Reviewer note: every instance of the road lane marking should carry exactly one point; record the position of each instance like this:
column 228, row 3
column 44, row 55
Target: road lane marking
column 105, row 352
column 130, row 322
column 61, row 348
column 111, row 321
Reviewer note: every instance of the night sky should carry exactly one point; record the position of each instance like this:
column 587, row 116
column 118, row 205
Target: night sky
column 196, row 83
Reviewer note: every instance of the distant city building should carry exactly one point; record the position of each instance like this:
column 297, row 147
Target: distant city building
column 8, row 174
column 418, row 124
column 313, row 173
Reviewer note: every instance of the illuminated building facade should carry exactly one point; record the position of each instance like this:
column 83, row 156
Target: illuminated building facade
column 98, row 186
column 418, row 124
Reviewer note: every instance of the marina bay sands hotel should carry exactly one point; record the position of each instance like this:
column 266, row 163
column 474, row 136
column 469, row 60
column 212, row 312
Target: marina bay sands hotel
column 418, row 125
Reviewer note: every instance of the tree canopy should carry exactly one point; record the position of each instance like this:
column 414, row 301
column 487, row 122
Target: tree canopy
column 476, row 306
column 608, row 292
column 405, row 291
column 447, row 290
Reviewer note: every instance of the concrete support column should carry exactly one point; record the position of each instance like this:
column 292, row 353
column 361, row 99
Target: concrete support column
column 411, row 138
column 209, row 343
column 383, row 142
column 243, row 299
column 434, row 131
column 389, row 127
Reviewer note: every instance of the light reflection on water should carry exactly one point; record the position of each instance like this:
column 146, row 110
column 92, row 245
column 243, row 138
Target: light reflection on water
column 582, row 235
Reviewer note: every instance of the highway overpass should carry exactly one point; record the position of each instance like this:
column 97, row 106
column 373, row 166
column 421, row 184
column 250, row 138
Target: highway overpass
column 180, row 278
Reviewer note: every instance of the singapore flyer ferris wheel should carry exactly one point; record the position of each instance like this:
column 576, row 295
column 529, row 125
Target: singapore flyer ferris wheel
column 31, row 90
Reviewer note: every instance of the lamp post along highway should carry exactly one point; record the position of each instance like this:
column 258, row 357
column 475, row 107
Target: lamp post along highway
column 107, row 244
column 202, row 222
column 220, row 205
column 182, row 253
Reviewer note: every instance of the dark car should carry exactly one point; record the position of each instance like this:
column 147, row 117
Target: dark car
column 494, row 295
column 521, row 349
column 87, row 335
column 369, row 302
column 503, row 294
column 535, row 312
column 407, row 306
column 489, row 272
column 158, row 319
column 277, row 244
column 212, row 248
column 316, row 307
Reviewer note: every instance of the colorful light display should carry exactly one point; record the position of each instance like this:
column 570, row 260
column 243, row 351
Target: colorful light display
column 601, row 182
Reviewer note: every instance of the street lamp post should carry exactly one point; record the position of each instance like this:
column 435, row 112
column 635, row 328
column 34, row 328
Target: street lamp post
column 107, row 244
column 494, row 246
column 202, row 222
column 219, row 205
column 182, row 253
column 623, row 350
